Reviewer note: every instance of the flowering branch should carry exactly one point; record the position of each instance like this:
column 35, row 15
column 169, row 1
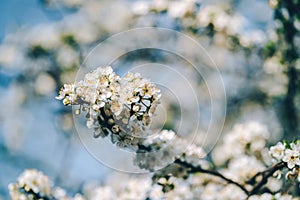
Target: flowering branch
column 123, row 108
column 264, row 177
column 199, row 169
column 287, row 155
column 257, row 185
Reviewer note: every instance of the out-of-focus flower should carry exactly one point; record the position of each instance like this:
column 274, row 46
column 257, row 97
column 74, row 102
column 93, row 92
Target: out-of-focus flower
column 243, row 168
column 31, row 181
column 179, row 9
column 44, row 84
column 248, row 138
column 33, row 184
column 140, row 7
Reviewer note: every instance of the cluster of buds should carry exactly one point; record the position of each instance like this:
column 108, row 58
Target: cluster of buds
column 120, row 107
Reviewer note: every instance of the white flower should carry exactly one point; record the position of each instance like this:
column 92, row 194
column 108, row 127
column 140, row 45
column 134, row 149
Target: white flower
column 277, row 151
column 291, row 157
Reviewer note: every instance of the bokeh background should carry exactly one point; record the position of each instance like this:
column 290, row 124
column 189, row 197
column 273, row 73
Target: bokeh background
column 44, row 42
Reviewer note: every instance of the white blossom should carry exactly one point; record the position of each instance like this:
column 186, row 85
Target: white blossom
column 277, row 151
column 291, row 157
column 290, row 154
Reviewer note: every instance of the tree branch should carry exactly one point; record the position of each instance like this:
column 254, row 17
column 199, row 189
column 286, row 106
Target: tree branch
column 198, row 169
column 257, row 185
column 265, row 175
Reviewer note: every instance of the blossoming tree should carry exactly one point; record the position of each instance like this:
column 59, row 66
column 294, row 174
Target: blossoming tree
column 122, row 109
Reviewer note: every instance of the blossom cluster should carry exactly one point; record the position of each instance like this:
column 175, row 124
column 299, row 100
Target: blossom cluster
column 288, row 153
column 31, row 181
column 123, row 108
column 175, row 9
column 245, row 139
column 162, row 149
column 244, row 148
column 175, row 180
column 33, row 184
column 197, row 186
column 215, row 19
column 120, row 107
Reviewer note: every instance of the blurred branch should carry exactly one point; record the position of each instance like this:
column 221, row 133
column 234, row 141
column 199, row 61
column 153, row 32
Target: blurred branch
column 288, row 32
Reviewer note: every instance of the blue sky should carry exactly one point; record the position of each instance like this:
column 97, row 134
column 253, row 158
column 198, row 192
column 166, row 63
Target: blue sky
column 23, row 13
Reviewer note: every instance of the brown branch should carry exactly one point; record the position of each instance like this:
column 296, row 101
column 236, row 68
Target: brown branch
column 198, row 169
column 265, row 175
column 257, row 185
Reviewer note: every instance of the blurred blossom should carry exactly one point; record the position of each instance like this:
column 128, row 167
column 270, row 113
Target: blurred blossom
column 12, row 115
column 274, row 184
column 273, row 3
column 274, row 85
column 222, row 21
column 141, row 7
column 67, row 57
column 242, row 140
column 160, row 5
column 44, row 35
column 238, row 168
column 14, row 133
column 65, row 122
column 44, row 84
column 30, row 180
column 178, row 9
column 253, row 38
column 87, row 33
column 273, row 66
column 10, row 56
